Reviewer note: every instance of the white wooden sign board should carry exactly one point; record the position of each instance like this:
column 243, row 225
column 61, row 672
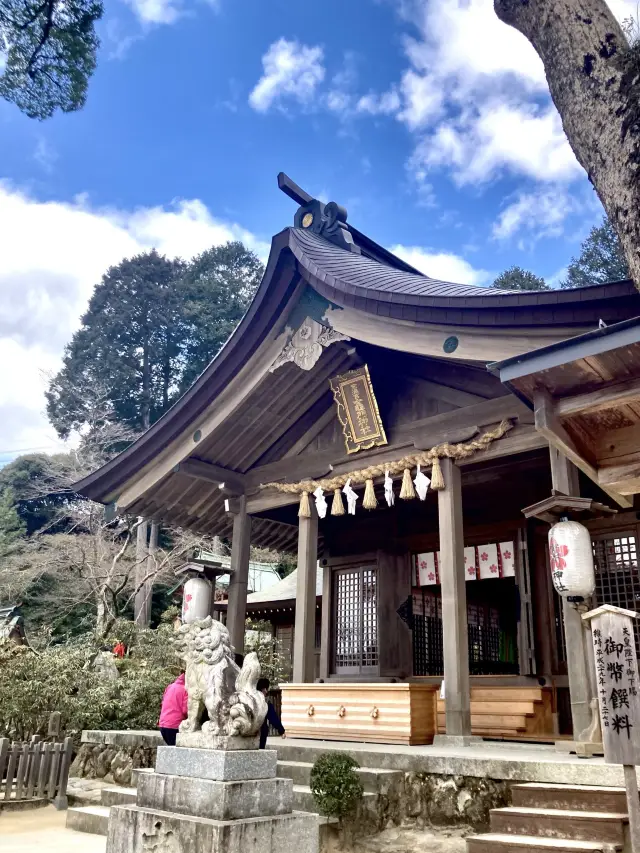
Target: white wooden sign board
column 612, row 632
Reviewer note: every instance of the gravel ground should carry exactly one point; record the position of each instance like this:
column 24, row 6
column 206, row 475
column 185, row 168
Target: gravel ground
column 43, row 830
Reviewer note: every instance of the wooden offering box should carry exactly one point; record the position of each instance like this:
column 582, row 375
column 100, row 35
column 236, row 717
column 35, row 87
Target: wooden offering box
column 370, row 713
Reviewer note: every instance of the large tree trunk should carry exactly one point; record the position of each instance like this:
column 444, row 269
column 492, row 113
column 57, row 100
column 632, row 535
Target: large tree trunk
column 594, row 78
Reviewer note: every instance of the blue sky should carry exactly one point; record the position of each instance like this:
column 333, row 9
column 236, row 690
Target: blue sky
column 428, row 119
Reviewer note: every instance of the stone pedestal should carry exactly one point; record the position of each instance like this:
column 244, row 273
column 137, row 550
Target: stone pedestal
column 212, row 801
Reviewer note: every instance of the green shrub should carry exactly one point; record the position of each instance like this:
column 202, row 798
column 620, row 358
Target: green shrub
column 335, row 785
column 63, row 678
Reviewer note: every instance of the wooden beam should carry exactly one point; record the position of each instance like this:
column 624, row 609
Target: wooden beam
column 548, row 425
column 610, row 395
column 231, row 481
column 624, row 478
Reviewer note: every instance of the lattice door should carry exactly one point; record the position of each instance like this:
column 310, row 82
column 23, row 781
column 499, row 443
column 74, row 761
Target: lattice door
column 617, row 581
column 356, row 620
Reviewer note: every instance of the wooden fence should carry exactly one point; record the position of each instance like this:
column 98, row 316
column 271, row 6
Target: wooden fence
column 35, row 770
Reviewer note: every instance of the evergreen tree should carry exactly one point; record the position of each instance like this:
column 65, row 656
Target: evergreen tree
column 12, row 527
column 601, row 259
column 152, row 327
column 217, row 287
column 515, row 278
column 50, row 53
column 129, row 343
column 32, row 482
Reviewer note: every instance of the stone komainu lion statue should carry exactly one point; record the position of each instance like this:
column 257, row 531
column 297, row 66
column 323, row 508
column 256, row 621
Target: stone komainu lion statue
column 215, row 682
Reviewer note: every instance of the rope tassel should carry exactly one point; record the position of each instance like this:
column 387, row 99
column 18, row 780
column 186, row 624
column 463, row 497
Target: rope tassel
column 437, row 480
column 369, row 501
column 305, row 506
column 407, row 492
column 337, row 507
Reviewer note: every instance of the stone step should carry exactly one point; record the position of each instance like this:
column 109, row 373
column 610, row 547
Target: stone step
column 373, row 780
column 117, row 796
column 541, row 795
column 303, row 799
column 93, row 819
column 136, row 771
column 531, row 844
column 560, row 823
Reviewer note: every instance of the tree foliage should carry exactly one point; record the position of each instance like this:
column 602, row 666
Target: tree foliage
column 50, row 51
column 516, row 278
column 127, row 344
column 12, row 527
column 152, row 326
column 601, row 259
column 63, row 678
column 217, row 288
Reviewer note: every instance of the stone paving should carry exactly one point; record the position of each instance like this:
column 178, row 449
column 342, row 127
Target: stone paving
column 43, row 830
column 84, row 792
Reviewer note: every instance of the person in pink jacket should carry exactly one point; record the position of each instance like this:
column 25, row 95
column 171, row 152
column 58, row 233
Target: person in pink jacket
column 174, row 710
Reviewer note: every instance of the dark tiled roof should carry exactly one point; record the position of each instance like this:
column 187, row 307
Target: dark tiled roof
column 362, row 272
column 334, row 270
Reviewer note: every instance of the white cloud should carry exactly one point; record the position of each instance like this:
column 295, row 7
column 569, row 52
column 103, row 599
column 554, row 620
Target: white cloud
column 45, row 155
column 479, row 144
column 150, row 12
column 423, row 96
column 291, row 71
column 537, row 214
column 44, row 292
column 386, row 104
column 465, row 40
column 444, row 266
column 156, row 11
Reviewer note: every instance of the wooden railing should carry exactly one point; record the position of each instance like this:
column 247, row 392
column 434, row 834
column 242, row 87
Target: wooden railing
column 35, row 770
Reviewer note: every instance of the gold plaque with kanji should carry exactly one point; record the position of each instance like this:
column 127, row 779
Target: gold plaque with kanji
column 358, row 410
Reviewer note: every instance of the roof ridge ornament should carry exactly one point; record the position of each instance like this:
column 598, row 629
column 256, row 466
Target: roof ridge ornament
column 325, row 220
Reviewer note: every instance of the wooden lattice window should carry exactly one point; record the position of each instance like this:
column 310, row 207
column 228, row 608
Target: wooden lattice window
column 616, row 563
column 356, row 620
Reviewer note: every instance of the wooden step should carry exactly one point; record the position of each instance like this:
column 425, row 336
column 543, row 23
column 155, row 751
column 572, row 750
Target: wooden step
column 500, row 722
column 527, row 709
column 540, row 795
column 560, row 823
column 531, row 844
column 507, row 694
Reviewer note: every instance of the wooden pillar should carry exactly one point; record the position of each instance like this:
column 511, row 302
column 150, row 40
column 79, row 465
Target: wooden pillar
column 140, row 603
column 454, row 604
column 238, row 586
column 305, row 630
column 325, row 629
column 564, row 478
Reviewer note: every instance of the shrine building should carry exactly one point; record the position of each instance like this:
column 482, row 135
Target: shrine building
column 351, row 419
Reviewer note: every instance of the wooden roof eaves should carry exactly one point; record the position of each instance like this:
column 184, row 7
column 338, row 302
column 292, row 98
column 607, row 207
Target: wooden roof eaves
column 564, row 352
column 275, row 290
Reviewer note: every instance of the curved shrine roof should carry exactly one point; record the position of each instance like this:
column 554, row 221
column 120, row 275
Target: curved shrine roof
column 373, row 286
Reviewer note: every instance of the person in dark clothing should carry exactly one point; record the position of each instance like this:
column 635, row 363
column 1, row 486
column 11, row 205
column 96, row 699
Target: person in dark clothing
column 272, row 715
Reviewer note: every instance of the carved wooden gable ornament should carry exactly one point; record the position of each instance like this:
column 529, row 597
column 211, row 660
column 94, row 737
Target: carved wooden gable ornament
column 358, row 410
column 307, row 344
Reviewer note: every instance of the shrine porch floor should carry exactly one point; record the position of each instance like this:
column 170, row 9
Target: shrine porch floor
column 521, row 762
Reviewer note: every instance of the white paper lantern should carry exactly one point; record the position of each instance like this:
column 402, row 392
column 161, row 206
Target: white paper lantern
column 571, row 556
column 196, row 600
